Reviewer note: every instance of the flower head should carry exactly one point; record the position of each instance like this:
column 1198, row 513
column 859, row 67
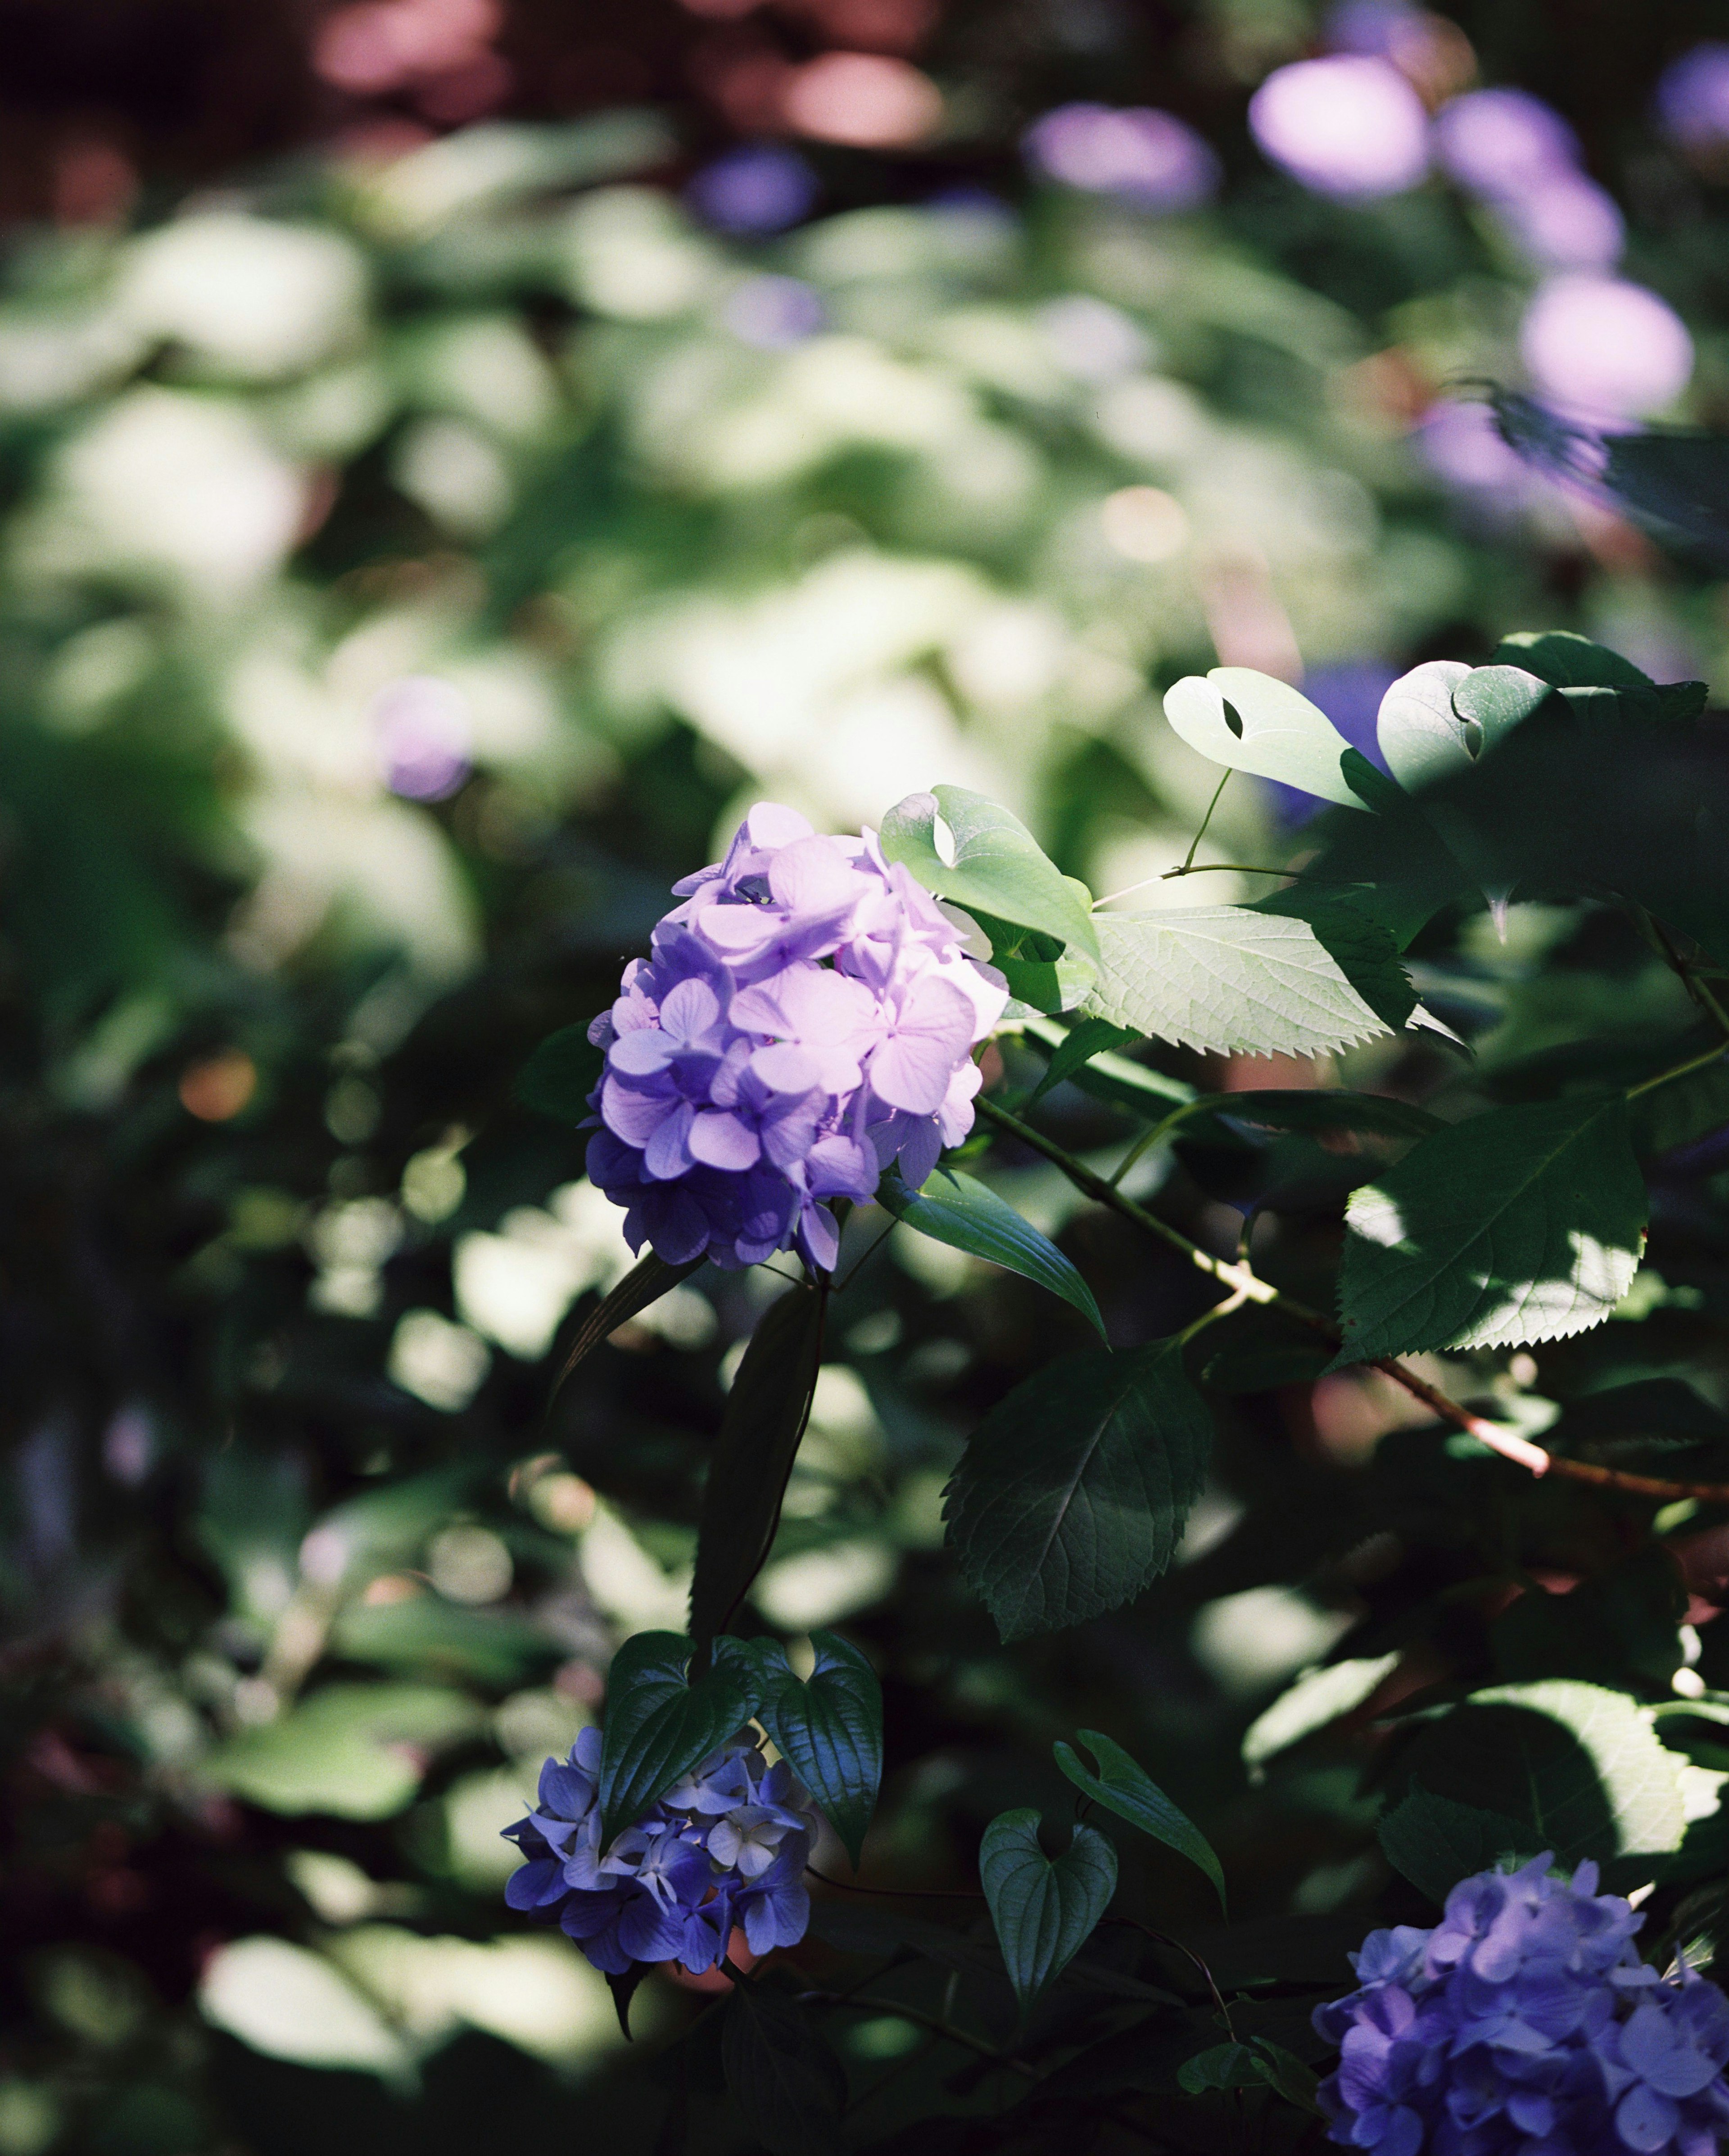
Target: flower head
column 807, row 1016
column 726, row 1846
column 1525, row 2023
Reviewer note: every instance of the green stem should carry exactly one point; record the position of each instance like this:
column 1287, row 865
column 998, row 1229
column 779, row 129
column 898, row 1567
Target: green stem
column 1195, row 843
column 1680, row 1070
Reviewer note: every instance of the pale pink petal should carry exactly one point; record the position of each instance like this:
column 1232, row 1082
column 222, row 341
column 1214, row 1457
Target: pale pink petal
column 811, row 878
column 911, row 1071
column 769, row 825
column 738, row 930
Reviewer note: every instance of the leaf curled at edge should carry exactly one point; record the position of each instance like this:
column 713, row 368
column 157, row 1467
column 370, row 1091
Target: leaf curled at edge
column 829, row 1729
column 658, row 1725
column 784, row 2078
column 1044, row 1908
column 968, row 1215
column 1122, row 1785
column 1072, row 1494
column 648, row 1280
column 764, row 1419
column 998, row 866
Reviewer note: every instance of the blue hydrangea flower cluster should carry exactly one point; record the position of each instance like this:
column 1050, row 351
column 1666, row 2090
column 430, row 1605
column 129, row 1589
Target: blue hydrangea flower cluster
column 725, row 1848
column 1525, row 2024
column 808, row 1015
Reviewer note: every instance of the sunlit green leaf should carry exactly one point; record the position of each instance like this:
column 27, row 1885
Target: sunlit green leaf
column 991, row 861
column 955, row 1208
column 1253, row 722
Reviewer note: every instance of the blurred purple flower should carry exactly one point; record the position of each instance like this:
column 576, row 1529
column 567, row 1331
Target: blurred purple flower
column 1462, row 444
column 1148, row 157
column 757, row 187
column 773, row 312
column 1693, row 97
column 1349, row 125
column 1525, row 2023
column 1566, row 222
column 1605, row 348
column 1500, row 142
column 421, row 726
column 807, row 1017
column 725, row 1845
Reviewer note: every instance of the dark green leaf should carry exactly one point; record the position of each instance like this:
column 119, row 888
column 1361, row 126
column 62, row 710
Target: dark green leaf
column 1045, row 1909
column 954, row 1209
column 765, row 1416
column 1224, row 2066
column 1091, row 1037
column 559, row 1076
column 1285, row 2073
column 996, row 864
column 1494, row 700
column 1071, row 1495
column 1122, row 1785
column 1261, row 1369
column 648, row 1280
column 1248, row 980
column 1558, row 656
column 1373, row 1113
column 1521, row 1223
column 784, row 2078
column 1143, row 1092
column 1436, row 1841
column 658, row 1725
column 623, row 1990
column 1577, row 1766
column 830, row 1730
column 1277, row 733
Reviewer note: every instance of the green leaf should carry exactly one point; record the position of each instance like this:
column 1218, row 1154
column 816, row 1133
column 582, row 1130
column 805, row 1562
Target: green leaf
column 1277, row 733
column 954, row 1209
column 1317, row 1699
column 1286, row 2075
column 1143, row 1092
column 784, row 2078
column 1122, row 1785
column 355, row 1750
column 562, row 1073
column 1578, row 1767
column 1567, row 661
column 1418, row 731
column 1240, row 980
column 1072, row 1494
column 1494, row 700
column 830, row 1730
column 646, row 1282
column 1436, row 1842
column 658, row 1725
column 1521, row 1223
column 1372, row 1113
column 1045, row 1909
column 994, row 863
column 1092, row 1037
column 1223, row 2066
column 764, row 1419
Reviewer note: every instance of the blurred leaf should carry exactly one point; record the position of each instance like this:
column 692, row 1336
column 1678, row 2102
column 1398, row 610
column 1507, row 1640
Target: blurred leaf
column 786, row 2081
column 1321, row 1110
column 487, row 1647
column 1619, row 1627
column 1436, row 1842
column 955, row 1208
column 1071, row 1495
column 1044, row 1908
column 1241, row 980
column 358, row 1751
column 562, row 1072
column 1262, row 1369
column 658, row 1725
column 1579, row 1767
column 997, row 864
column 764, row 1419
column 1252, row 722
column 829, row 1729
column 1318, row 1698
column 1225, row 2067
column 289, row 2004
column 1122, row 1785
column 1521, row 1223
column 646, row 1282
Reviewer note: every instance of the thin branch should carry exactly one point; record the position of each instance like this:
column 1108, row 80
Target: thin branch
column 1242, row 1279
column 897, row 1893
column 946, row 2030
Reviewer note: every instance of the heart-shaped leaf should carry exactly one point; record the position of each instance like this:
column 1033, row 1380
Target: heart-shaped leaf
column 991, row 861
column 955, row 1209
column 830, row 1730
column 766, row 1412
column 1044, row 1908
column 658, row 1725
column 1122, row 1785
column 1255, row 723
column 1421, row 735
column 783, row 2076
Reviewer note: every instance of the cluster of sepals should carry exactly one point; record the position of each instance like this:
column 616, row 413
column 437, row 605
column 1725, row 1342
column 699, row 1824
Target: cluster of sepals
column 804, row 1032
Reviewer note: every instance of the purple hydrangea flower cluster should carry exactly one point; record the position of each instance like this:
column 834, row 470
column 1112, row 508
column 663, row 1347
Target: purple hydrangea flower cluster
column 725, row 1848
column 807, row 1017
column 1525, row 2024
